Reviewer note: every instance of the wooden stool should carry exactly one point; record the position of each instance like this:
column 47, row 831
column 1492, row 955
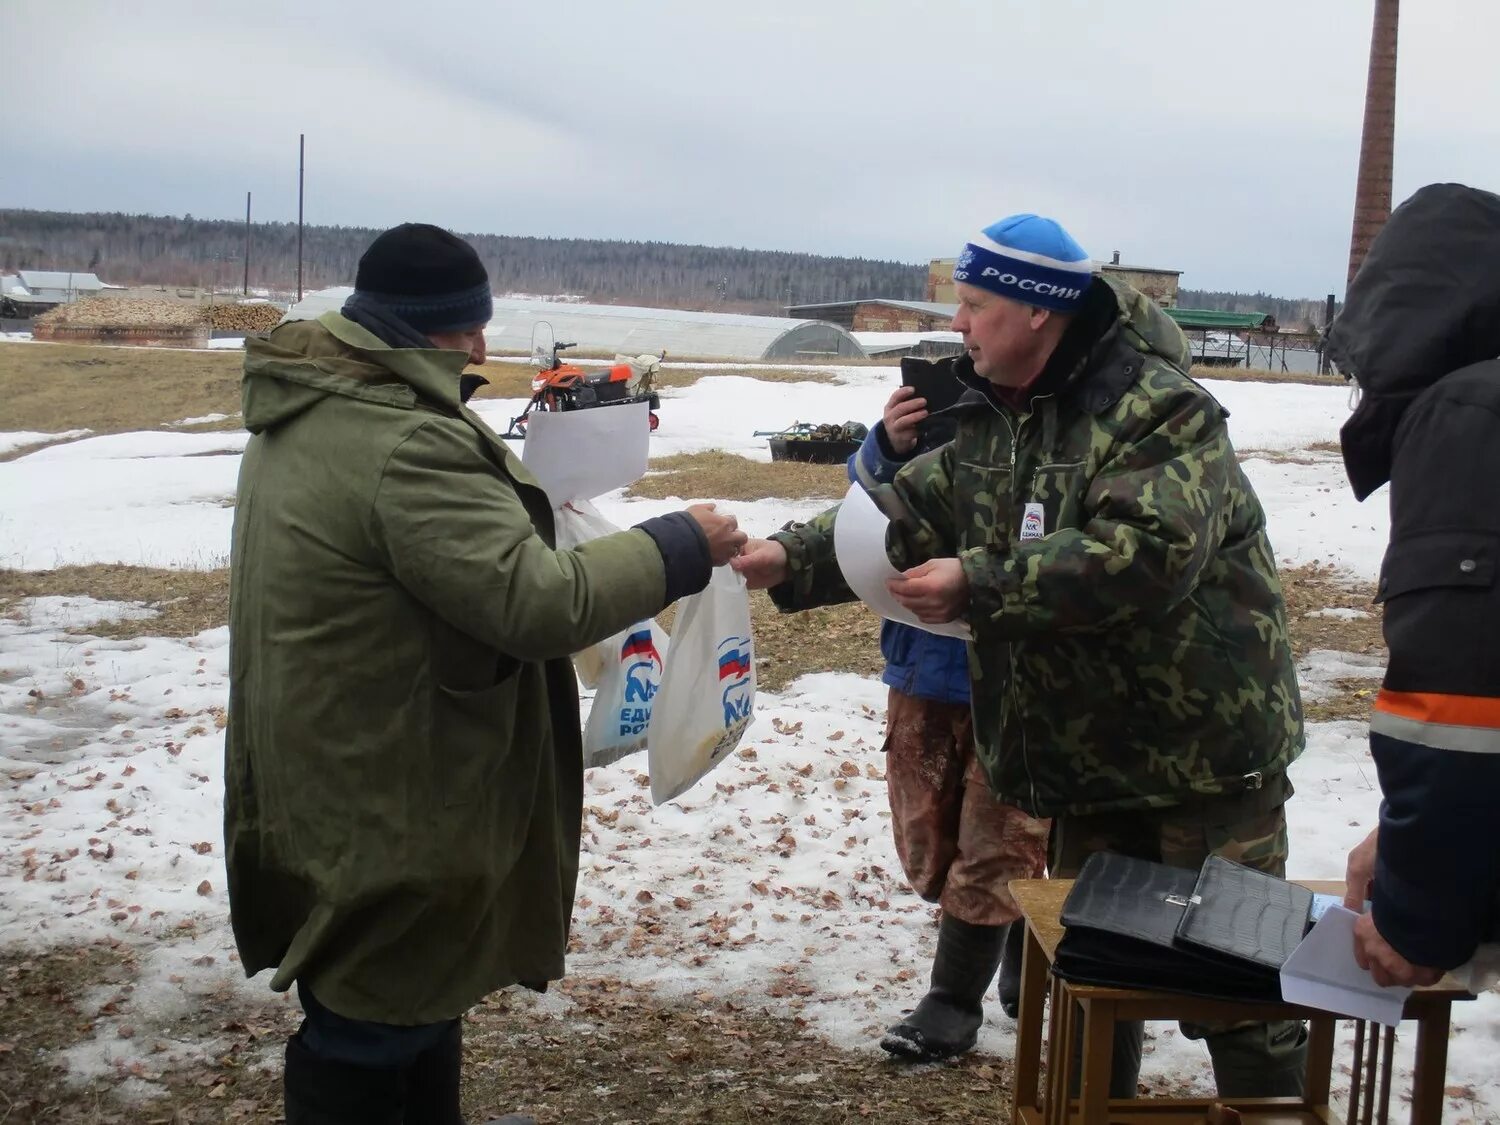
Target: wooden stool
column 1096, row 1011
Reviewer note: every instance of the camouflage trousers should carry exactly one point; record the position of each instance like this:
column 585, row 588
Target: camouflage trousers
column 1249, row 1059
column 958, row 845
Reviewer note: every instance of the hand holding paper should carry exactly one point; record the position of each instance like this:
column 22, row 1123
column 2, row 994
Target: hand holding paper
column 859, row 538
column 937, row 591
column 1322, row 973
column 1388, row 967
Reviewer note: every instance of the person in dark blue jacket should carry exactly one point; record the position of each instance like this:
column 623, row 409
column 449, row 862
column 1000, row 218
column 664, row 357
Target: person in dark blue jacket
column 958, row 845
column 1420, row 336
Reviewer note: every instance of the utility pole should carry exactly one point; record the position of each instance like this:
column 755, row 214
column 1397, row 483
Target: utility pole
column 1372, row 191
column 245, row 292
column 301, row 161
column 1323, row 336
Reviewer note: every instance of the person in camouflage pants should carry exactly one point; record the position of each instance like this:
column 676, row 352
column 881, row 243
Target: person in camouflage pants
column 1130, row 668
column 958, row 845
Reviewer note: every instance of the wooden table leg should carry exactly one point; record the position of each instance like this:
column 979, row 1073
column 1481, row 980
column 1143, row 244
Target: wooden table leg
column 1098, row 1057
column 1320, row 1035
column 1027, row 1064
column 1356, row 1074
column 1372, row 1054
column 1432, row 1063
column 1059, row 1054
column 1387, row 1053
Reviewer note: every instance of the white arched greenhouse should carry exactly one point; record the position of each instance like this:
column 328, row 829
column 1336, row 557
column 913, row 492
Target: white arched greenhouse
column 612, row 329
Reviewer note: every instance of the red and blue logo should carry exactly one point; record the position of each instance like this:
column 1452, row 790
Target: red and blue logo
column 643, row 666
column 736, row 680
column 734, row 665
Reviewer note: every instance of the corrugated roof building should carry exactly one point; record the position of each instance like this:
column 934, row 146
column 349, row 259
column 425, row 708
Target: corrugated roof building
column 59, row 285
column 880, row 314
column 1210, row 319
column 629, row 330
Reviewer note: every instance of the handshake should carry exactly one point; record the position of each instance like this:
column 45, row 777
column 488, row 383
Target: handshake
column 762, row 562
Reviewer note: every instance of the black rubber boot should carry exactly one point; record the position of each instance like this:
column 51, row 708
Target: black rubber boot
column 946, row 1022
column 320, row 1091
column 1010, row 969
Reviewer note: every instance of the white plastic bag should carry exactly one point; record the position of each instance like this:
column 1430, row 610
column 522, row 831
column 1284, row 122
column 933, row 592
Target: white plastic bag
column 707, row 696
column 628, row 685
column 576, row 523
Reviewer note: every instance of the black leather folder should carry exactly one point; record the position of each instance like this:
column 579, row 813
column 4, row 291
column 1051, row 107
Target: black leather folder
column 1239, row 912
column 1122, row 921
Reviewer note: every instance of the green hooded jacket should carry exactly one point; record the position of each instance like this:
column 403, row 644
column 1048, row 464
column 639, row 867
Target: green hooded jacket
column 1130, row 645
column 403, row 775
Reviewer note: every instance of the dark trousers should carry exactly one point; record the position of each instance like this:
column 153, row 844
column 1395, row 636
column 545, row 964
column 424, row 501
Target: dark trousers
column 342, row 1071
column 362, row 1042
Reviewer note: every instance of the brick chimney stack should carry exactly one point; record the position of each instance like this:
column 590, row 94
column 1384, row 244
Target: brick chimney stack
column 1372, row 192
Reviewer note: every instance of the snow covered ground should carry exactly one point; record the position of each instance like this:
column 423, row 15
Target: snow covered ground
column 775, row 877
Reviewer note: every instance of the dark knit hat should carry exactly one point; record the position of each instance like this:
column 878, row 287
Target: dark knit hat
column 429, row 277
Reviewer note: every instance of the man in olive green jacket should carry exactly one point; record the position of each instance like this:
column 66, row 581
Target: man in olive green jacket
column 403, row 781
column 1130, row 667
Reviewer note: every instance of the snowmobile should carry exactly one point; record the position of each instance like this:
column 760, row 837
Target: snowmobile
column 567, row 386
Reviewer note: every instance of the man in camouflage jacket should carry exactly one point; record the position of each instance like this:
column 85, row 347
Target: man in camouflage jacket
column 1131, row 672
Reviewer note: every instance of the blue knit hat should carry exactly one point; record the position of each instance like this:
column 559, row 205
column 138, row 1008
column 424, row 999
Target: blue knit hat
column 1030, row 259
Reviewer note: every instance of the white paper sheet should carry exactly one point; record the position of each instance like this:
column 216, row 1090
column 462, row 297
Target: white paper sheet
column 859, row 540
column 1321, row 903
column 1322, row 973
column 581, row 454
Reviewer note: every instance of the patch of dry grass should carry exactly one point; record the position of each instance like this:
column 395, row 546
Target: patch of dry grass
column 730, row 477
column 1313, row 588
column 507, row 379
column 51, row 388
column 687, row 376
column 42, row 1012
column 1317, row 453
column 841, row 638
column 187, row 601
column 1262, row 375
column 710, row 1058
column 46, row 1003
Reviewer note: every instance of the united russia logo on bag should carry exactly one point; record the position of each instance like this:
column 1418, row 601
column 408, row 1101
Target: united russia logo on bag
column 642, row 665
column 737, row 690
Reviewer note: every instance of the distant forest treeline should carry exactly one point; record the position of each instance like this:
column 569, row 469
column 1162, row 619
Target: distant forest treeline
column 163, row 249
column 155, row 249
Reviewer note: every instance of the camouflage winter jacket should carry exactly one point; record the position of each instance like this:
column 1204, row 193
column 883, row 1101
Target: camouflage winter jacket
column 1130, row 644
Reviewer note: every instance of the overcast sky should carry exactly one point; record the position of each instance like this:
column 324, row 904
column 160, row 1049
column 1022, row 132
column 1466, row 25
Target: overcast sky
column 1216, row 138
